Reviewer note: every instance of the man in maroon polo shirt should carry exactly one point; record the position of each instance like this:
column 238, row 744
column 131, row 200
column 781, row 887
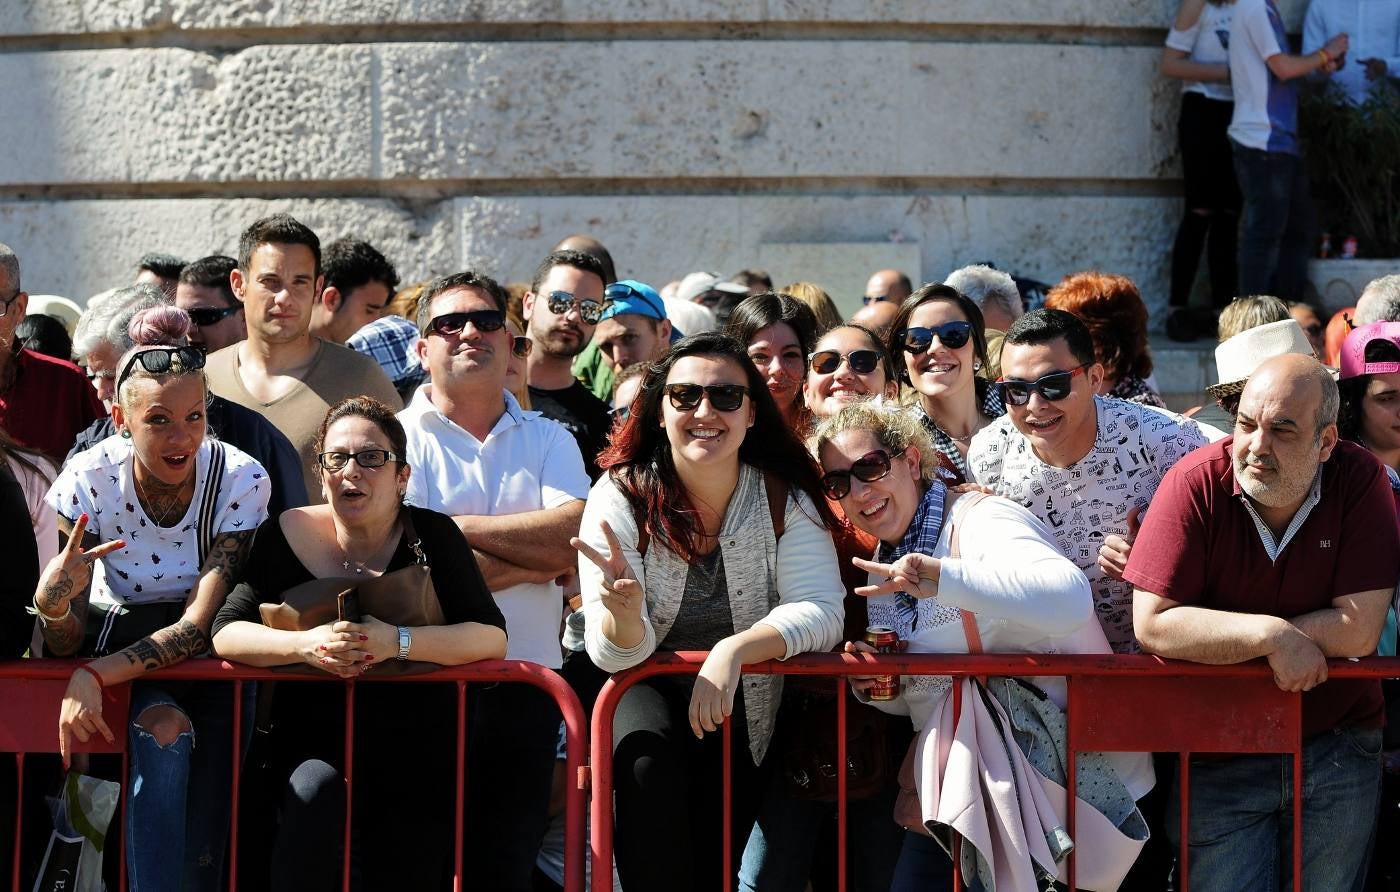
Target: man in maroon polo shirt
column 44, row 402
column 1279, row 542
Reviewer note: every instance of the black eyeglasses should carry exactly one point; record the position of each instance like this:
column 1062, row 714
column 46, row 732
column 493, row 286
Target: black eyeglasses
column 204, row 316
column 723, row 397
column 869, row 467
column 862, row 362
column 367, row 458
column 918, row 339
column 1054, row 387
column 874, row 299
column 453, row 323
column 560, row 302
column 159, row 360
column 520, row 346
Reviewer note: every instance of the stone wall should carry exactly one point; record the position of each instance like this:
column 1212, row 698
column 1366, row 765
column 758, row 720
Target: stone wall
column 685, row 134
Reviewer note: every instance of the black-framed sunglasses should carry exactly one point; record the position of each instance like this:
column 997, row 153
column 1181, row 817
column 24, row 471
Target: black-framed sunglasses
column 560, row 302
column 520, row 346
column 869, row 467
column 365, row 458
column 862, row 362
column 1054, row 387
column 869, row 299
column 918, row 339
column 205, row 316
column 453, row 323
column 159, row 360
column 723, row 397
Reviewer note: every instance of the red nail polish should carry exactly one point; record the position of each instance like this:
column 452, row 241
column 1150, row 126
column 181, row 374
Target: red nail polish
column 364, row 637
column 369, row 657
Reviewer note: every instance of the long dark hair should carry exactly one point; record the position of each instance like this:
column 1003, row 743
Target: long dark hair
column 971, row 312
column 638, row 455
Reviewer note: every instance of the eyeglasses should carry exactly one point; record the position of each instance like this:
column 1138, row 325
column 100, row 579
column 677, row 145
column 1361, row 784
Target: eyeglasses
column 205, row 316
column 560, row 302
column 869, row 467
column 520, row 346
column 618, row 291
column 862, row 362
column 159, row 360
column 723, row 397
column 874, row 299
column 368, row 458
column 952, row 335
column 1054, row 387
column 453, row 323
column 93, row 376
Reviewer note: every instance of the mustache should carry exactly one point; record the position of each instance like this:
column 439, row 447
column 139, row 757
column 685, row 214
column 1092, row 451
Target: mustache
column 1267, row 462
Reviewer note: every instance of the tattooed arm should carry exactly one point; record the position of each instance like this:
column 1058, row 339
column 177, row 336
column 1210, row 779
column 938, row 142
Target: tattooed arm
column 62, row 596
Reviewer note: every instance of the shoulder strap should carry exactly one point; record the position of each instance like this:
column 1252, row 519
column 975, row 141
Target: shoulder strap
column 969, row 622
column 777, row 492
column 415, row 541
column 643, row 537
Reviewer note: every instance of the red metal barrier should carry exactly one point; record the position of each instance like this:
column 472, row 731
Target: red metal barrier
column 1196, row 709
column 32, row 690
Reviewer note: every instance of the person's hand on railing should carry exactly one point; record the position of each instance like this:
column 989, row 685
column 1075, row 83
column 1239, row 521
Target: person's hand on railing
column 80, row 715
column 340, row 652
column 1113, row 553
column 69, row 572
column 1297, row 661
column 862, row 683
column 713, row 698
column 914, row 573
column 621, row 593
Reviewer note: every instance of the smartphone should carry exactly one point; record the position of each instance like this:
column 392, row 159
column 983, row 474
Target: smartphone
column 347, row 605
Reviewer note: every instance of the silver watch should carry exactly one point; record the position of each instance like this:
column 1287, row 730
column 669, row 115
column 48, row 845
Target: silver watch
column 405, row 642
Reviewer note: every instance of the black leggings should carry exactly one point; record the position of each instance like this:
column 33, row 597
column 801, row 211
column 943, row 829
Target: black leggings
column 668, row 786
column 1212, row 214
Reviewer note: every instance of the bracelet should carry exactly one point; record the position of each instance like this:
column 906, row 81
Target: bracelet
column 51, row 620
column 1326, row 57
column 93, row 672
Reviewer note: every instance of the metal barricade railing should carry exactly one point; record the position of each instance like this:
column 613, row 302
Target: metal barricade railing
column 32, row 690
column 1195, row 708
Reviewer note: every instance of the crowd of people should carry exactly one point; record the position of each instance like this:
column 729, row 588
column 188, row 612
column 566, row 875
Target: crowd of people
column 287, row 459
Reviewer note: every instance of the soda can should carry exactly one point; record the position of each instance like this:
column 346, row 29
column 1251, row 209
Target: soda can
column 885, row 641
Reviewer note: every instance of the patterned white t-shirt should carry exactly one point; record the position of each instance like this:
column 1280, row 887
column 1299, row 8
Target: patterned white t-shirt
column 1082, row 504
column 158, row 564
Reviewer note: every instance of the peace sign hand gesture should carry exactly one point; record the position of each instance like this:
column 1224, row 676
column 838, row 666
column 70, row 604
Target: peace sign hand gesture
column 914, row 573
column 621, row 593
column 70, row 571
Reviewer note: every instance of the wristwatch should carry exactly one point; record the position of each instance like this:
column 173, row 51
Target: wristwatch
column 405, row 642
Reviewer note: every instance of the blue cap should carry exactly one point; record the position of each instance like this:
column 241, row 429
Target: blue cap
column 636, row 298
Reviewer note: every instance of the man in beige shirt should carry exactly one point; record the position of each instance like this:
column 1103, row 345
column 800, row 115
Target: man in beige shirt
column 281, row 370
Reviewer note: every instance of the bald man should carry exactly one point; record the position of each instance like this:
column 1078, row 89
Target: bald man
column 877, row 316
column 593, row 248
column 887, row 285
column 1279, row 542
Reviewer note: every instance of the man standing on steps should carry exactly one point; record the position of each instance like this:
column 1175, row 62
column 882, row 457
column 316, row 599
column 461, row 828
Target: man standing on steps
column 281, row 371
column 564, row 303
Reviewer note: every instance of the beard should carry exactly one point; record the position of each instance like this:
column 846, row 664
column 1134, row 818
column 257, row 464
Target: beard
column 562, row 342
column 1285, row 487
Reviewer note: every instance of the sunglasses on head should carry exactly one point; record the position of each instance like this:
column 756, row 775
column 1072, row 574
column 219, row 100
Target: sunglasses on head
column 454, row 323
column 560, row 302
column 918, row 339
column 869, row 467
column 723, row 397
column 1054, row 387
column 618, row 291
column 204, row 316
column 862, row 362
column 159, row 360
column 366, row 458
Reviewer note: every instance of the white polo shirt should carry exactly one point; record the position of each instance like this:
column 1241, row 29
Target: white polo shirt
column 526, row 463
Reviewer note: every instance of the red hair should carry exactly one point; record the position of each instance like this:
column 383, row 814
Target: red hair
column 1112, row 309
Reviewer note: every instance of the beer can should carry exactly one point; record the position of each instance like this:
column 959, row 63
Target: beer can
column 885, row 641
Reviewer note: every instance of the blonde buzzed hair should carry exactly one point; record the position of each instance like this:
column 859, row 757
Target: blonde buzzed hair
column 896, row 429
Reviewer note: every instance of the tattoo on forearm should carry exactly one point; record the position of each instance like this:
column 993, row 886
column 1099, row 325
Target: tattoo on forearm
column 168, row 646
column 229, row 552
column 52, row 595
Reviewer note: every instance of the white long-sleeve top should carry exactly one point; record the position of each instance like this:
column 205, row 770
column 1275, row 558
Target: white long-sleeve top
column 791, row 584
column 1373, row 31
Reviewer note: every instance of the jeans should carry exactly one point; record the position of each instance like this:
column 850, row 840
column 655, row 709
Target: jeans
column 1276, row 226
column 1242, row 816
column 179, row 795
column 923, row 866
column 783, row 845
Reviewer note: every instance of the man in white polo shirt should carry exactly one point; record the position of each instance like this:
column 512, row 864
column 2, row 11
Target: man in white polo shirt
column 515, row 484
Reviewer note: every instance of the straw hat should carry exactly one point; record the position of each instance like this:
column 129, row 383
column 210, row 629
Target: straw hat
column 1237, row 358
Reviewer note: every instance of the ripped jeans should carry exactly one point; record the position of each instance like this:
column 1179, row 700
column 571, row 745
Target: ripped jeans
column 169, row 845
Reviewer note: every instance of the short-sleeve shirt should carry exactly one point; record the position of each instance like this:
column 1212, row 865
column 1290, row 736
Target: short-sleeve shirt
column 159, row 564
column 526, row 463
column 1200, row 546
column 336, row 373
column 1266, row 108
column 1080, row 505
column 48, row 404
column 1208, row 42
column 582, row 414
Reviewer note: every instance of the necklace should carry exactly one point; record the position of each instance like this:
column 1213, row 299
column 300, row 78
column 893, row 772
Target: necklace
column 169, row 504
column 359, row 567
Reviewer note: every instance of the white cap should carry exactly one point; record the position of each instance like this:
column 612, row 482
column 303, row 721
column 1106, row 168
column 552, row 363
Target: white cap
column 61, row 308
column 696, row 284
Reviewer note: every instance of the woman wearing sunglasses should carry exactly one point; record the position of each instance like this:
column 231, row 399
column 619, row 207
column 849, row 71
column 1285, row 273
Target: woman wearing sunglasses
column 939, row 345
column 778, row 331
column 1017, row 590
column 517, row 377
column 707, row 532
column 170, row 514
column 362, row 531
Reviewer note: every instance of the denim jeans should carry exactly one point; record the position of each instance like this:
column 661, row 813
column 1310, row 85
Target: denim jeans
column 1242, row 816
column 1276, row 224
column 783, row 845
column 179, row 796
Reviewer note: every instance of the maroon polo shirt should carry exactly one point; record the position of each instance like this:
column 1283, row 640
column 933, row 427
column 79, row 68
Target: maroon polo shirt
column 1198, row 545
column 49, row 404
